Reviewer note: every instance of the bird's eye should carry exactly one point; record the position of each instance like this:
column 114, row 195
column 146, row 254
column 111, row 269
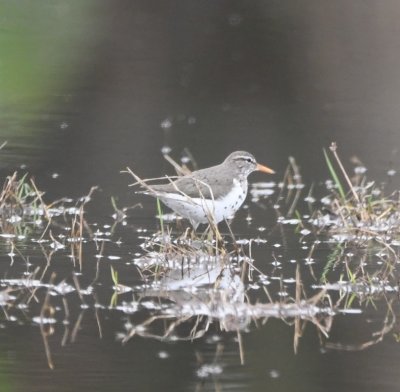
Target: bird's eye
column 248, row 159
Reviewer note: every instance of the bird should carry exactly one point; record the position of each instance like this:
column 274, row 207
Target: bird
column 212, row 194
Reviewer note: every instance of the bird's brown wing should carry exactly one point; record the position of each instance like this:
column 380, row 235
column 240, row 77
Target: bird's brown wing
column 196, row 185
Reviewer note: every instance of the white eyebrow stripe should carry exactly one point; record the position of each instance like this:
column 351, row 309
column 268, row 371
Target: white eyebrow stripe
column 245, row 157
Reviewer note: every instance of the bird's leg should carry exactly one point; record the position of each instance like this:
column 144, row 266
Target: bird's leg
column 205, row 233
column 195, row 225
column 192, row 233
column 186, row 234
column 235, row 245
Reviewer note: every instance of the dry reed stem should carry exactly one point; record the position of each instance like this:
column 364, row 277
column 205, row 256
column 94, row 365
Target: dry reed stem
column 333, row 148
column 179, row 169
column 44, row 333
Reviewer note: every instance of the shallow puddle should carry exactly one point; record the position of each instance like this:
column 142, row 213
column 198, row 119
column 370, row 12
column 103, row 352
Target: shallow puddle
column 66, row 276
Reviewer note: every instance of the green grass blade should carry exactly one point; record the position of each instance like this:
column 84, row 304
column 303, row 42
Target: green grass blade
column 160, row 216
column 334, row 176
column 351, row 300
column 332, row 257
column 114, row 276
column 114, row 204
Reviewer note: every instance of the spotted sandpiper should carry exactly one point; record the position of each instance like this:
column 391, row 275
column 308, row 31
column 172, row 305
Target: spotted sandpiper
column 211, row 194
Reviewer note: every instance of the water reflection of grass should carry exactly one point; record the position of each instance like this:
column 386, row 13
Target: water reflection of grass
column 214, row 296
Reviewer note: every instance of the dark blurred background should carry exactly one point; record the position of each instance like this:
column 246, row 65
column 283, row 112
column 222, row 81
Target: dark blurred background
column 90, row 87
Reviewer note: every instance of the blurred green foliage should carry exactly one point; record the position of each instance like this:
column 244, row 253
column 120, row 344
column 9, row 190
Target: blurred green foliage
column 42, row 44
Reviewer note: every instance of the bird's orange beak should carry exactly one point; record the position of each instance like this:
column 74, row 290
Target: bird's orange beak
column 264, row 169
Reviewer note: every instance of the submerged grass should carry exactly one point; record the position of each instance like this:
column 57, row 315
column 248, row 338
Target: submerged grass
column 362, row 212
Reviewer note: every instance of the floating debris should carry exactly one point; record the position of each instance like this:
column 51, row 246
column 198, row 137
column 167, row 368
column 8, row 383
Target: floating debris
column 163, row 355
column 208, row 370
column 273, row 373
column 44, row 320
column 360, row 288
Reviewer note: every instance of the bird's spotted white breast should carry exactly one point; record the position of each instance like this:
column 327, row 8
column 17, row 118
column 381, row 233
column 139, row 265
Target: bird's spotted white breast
column 199, row 210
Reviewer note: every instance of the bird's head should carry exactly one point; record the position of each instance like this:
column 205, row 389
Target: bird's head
column 244, row 163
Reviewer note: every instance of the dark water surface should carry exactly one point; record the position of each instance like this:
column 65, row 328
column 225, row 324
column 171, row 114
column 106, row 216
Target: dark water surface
column 89, row 89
